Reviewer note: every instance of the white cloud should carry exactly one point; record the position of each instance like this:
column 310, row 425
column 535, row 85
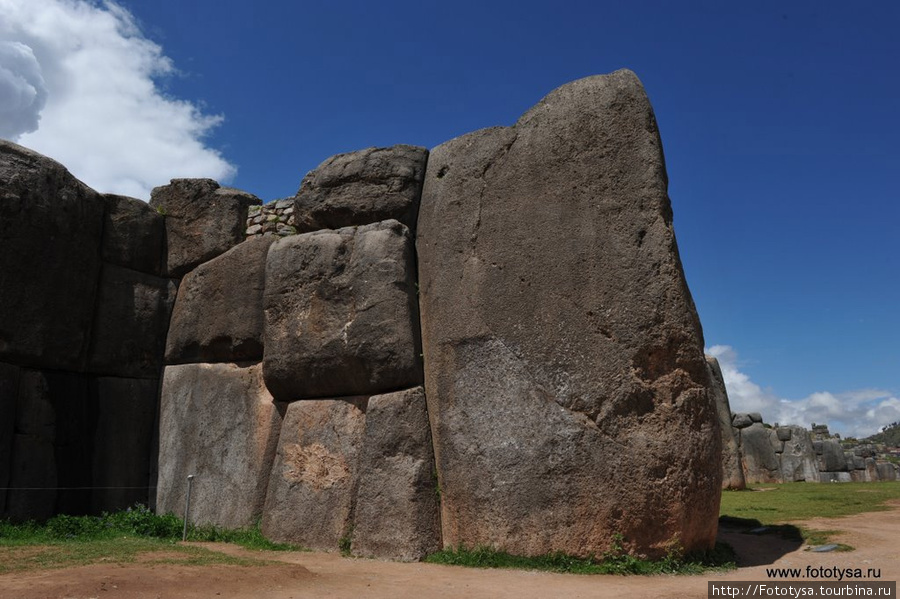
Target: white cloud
column 104, row 116
column 857, row 413
column 22, row 90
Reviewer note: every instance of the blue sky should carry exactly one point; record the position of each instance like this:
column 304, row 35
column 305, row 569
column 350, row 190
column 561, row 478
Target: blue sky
column 779, row 122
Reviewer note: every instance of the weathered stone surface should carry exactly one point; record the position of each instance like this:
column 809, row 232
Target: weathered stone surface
column 134, row 235
column 51, row 447
column 741, row 421
column 755, row 417
column 132, row 315
column 218, row 316
column 831, row 457
column 761, row 465
column 50, row 260
column 9, row 390
column 732, row 472
column 866, row 450
column 341, row 313
column 126, row 414
column 217, row 422
column 66, row 401
column 363, row 187
column 798, row 461
column 397, row 507
column 886, row 471
column 203, row 220
column 312, row 491
column 561, row 343
column 33, row 467
column 859, row 476
column 871, row 469
column 783, row 433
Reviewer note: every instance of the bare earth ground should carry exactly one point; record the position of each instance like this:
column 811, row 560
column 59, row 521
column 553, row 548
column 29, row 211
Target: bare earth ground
column 876, row 537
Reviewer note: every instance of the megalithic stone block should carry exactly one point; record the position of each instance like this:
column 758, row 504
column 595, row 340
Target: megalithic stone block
column 203, row 220
column 217, row 422
column 564, row 368
column 341, row 313
column 132, row 315
column 134, row 235
column 362, row 187
column 312, row 491
column 50, row 260
column 122, row 451
column 398, row 505
column 732, row 472
column 9, row 390
column 218, row 315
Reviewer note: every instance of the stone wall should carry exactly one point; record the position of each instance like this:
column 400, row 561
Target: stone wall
column 539, row 363
column 777, row 454
column 272, row 218
column 87, row 285
column 491, row 343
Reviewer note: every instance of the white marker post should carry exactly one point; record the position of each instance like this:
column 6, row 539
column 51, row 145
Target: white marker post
column 187, row 507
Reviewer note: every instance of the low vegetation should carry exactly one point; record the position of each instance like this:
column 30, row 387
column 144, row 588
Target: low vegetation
column 615, row 561
column 120, row 537
column 139, row 534
column 777, row 506
column 889, row 435
column 792, row 502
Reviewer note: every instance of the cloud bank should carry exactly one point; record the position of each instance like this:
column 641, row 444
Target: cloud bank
column 857, row 413
column 23, row 93
column 78, row 82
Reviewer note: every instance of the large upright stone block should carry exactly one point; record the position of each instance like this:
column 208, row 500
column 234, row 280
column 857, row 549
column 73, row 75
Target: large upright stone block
column 798, row 461
column 50, row 260
column 363, row 187
column 565, row 376
column 217, row 422
column 9, row 391
column 886, row 471
column 203, row 220
column 831, row 456
column 123, row 432
column 218, row 316
column 134, row 235
column 397, row 507
column 52, row 446
column 341, row 313
column 761, row 464
column 132, row 316
column 732, row 472
column 312, row 491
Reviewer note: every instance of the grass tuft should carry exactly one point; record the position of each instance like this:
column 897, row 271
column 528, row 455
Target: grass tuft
column 119, row 537
column 615, row 561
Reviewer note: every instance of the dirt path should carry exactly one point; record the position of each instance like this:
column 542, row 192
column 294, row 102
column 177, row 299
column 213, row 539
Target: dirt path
column 876, row 537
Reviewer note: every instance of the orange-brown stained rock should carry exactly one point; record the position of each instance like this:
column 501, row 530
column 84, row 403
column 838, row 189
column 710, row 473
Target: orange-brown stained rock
column 566, row 383
column 312, row 490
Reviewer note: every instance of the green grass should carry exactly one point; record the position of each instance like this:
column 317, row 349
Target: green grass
column 792, row 502
column 780, row 505
column 119, row 537
column 112, row 550
column 615, row 561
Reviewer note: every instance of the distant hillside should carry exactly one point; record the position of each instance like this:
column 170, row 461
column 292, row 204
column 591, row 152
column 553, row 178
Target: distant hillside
column 889, row 435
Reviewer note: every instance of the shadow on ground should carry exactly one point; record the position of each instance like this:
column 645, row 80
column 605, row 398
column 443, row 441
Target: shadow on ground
column 756, row 544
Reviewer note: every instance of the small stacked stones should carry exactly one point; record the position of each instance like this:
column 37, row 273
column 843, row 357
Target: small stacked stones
column 274, row 218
